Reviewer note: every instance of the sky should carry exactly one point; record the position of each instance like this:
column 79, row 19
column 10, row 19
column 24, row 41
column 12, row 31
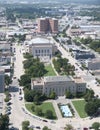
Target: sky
column 61, row 1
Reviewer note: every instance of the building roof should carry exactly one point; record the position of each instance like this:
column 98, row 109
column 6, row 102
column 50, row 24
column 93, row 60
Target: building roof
column 57, row 78
column 96, row 60
column 37, row 81
column 78, row 80
column 1, row 71
column 40, row 41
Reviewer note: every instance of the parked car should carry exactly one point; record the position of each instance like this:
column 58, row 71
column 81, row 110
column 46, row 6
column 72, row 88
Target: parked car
column 53, row 122
column 32, row 126
column 20, row 98
column 85, row 128
column 45, row 120
column 8, row 108
column 8, row 112
column 38, row 127
column 8, row 103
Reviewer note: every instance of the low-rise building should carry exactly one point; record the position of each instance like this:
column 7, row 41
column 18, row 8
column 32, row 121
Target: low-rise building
column 2, row 81
column 58, row 84
column 81, row 54
column 93, row 64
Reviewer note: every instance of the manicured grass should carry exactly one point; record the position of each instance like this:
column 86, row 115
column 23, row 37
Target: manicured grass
column 44, row 106
column 80, row 107
column 50, row 71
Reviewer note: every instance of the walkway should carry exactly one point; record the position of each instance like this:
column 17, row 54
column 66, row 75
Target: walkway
column 58, row 113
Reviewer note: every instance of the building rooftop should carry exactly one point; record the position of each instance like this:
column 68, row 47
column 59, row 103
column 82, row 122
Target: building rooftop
column 1, row 71
column 78, row 80
column 37, row 81
column 95, row 60
column 40, row 41
column 57, row 78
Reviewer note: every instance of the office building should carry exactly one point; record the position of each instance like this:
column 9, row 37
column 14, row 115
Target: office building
column 47, row 25
column 58, row 84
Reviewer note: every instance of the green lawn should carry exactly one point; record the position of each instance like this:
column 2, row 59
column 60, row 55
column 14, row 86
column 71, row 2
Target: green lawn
column 80, row 107
column 50, row 71
column 43, row 106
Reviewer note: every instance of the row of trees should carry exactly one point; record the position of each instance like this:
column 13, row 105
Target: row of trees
column 26, row 126
column 37, row 97
column 63, row 66
column 19, row 38
column 33, row 68
column 70, row 95
column 27, row 12
column 33, row 96
column 93, row 44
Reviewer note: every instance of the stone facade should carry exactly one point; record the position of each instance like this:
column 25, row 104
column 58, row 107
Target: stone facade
column 58, row 84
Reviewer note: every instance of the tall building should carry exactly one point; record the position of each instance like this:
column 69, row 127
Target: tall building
column 46, row 25
column 2, row 81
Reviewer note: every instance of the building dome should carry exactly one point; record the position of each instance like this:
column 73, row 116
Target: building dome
column 39, row 41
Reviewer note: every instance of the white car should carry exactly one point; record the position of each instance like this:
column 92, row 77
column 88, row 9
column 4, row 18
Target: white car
column 20, row 98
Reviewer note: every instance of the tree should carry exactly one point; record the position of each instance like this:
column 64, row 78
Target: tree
column 49, row 114
column 7, row 80
column 52, row 95
column 28, row 95
column 33, row 108
column 68, row 94
column 38, row 111
column 69, row 127
column 37, row 70
column 36, row 99
column 28, row 55
column 45, row 128
column 89, row 95
column 92, row 107
column 4, row 122
column 25, row 125
column 96, row 125
column 24, row 80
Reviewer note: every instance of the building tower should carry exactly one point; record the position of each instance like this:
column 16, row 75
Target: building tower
column 46, row 25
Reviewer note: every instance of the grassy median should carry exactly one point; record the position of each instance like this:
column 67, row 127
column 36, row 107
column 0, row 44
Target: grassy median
column 44, row 107
column 80, row 107
column 50, row 71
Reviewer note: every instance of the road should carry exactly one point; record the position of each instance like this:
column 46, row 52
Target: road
column 18, row 64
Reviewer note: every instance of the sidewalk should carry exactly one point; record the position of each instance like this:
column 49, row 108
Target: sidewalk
column 58, row 113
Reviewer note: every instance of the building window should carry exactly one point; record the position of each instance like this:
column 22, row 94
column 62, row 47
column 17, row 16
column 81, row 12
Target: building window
column 48, row 50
